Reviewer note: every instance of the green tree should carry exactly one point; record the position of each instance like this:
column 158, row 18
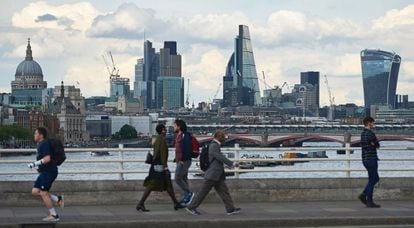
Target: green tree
column 16, row 131
column 126, row 132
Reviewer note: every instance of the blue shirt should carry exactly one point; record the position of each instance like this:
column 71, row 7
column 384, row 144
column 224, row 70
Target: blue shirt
column 44, row 149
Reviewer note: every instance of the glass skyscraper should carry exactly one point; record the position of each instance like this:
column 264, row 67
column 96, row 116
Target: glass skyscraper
column 311, row 77
column 170, row 92
column 379, row 74
column 158, row 77
column 241, row 70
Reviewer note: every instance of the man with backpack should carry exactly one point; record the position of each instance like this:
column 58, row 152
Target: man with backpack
column 214, row 176
column 46, row 165
column 183, row 156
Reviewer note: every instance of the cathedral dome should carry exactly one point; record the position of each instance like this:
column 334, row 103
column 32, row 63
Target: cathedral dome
column 29, row 67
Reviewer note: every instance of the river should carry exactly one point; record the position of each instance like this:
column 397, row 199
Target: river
column 383, row 153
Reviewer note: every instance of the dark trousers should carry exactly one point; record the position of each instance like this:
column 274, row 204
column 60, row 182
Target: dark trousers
column 221, row 189
column 373, row 178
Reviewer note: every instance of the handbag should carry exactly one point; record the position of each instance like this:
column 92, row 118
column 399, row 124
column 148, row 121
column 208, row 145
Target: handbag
column 149, row 159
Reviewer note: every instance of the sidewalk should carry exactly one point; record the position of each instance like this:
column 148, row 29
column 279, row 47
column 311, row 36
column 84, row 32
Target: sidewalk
column 304, row 214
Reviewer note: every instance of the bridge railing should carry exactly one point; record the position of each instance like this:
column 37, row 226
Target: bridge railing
column 139, row 155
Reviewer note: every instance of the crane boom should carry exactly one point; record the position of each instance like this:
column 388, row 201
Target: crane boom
column 106, row 64
column 115, row 71
column 112, row 59
column 331, row 101
column 264, row 80
column 217, row 91
column 187, row 102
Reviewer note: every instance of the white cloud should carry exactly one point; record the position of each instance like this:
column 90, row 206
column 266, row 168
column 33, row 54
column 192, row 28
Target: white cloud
column 290, row 27
column 77, row 16
column 395, row 18
column 287, row 43
column 205, row 75
column 128, row 21
column 212, row 28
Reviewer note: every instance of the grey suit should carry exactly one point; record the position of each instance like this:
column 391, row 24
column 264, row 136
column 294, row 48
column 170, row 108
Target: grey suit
column 215, row 177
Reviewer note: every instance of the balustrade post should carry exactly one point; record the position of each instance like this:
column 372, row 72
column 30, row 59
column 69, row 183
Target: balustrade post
column 121, row 163
column 348, row 161
column 237, row 157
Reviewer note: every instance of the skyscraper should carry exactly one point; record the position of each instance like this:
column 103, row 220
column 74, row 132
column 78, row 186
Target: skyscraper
column 158, row 79
column 311, row 77
column 241, row 70
column 140, row 86
column 379, row 74
column 146, row 73
column 170, row 84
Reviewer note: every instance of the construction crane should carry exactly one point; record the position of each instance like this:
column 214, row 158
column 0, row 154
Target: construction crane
column 107, row 65
column 114, row 69
column 331, row 101
column 287, row 86
column 264, row 81
column 187, row 102
column 217, row 91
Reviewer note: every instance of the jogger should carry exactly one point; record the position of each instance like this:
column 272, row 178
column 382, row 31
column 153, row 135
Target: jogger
column 48, row 173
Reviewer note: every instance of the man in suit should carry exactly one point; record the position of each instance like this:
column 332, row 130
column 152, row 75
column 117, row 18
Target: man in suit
column 215, row 176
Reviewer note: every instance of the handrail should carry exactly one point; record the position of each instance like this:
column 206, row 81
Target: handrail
column 237, row 151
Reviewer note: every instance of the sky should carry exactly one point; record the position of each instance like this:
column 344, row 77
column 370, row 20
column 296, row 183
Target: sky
column 69, row 37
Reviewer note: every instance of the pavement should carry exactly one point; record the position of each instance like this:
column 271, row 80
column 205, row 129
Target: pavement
column 275, row 214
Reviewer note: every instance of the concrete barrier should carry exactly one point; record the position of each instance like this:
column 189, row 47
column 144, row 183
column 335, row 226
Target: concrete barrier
column 14, row 193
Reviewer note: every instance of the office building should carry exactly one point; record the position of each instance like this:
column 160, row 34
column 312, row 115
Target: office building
column 380, row 75
column 241, row 71
column 311, row 77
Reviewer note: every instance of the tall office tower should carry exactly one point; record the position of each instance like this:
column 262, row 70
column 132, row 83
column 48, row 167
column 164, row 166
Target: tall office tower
column 311, row 77
column 380, row 75
column 141, row 86
column 170, row 84
column 245, row 84
column 150, row 74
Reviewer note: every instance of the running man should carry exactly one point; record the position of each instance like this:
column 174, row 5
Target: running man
column 47, row 175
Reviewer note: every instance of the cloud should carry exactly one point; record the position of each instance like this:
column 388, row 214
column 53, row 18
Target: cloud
column 395, row 18
column 46, row 17
column 286, row 43
column 304, row 30
column 128, row 21
column 216, row 29
column 41, row 15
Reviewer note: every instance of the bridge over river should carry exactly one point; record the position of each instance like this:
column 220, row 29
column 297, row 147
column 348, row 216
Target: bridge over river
column 295, row 135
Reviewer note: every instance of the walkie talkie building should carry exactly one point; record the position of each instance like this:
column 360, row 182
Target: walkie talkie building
column 380, row 75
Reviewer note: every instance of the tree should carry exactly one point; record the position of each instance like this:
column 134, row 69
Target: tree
column 16, row 131
column 126, row 132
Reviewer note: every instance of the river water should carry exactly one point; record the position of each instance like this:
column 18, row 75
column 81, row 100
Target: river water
column 383, row 153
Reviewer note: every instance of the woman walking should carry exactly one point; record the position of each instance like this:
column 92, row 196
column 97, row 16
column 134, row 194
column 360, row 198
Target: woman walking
column 159, row 177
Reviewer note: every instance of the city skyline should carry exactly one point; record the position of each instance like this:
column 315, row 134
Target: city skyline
column 287, row 41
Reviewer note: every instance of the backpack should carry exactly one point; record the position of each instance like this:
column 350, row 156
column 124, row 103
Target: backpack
column 58, row 155
column 195, row 147
column 204, row 159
